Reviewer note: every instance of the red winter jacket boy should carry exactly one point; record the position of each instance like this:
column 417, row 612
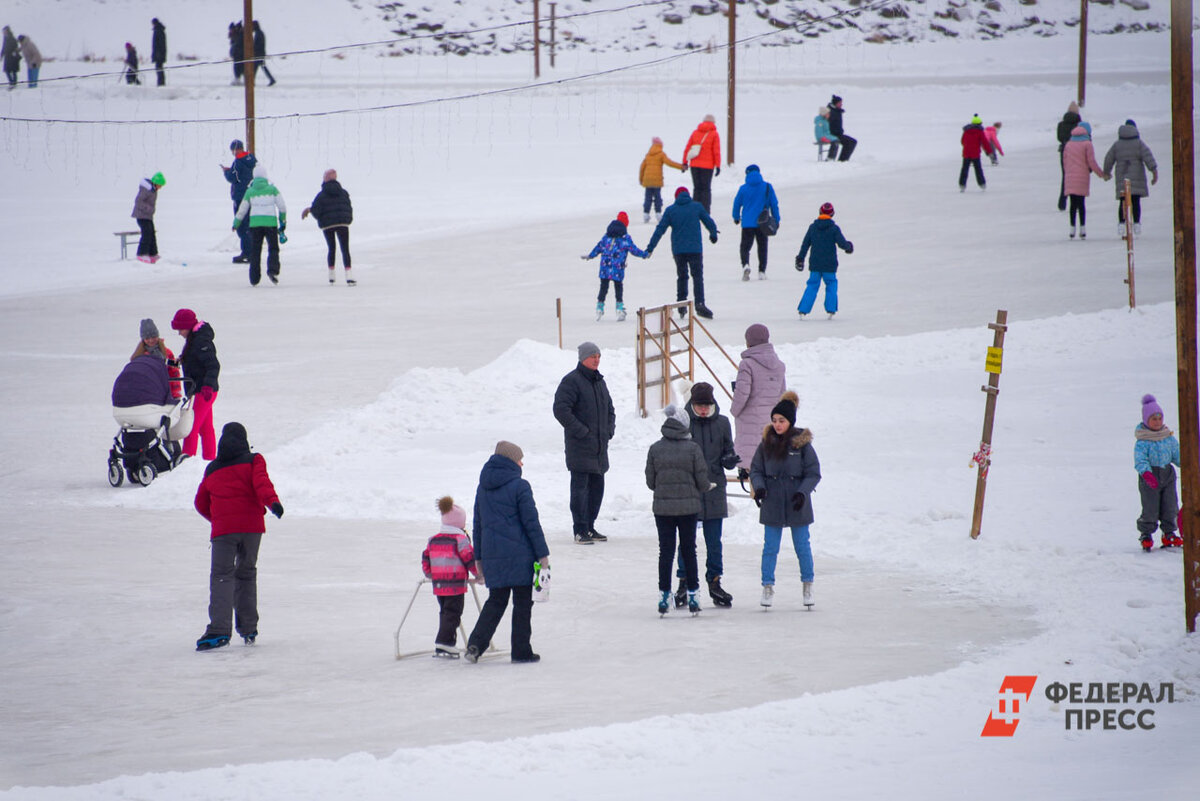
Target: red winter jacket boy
column 236, row 490
column 974, row 140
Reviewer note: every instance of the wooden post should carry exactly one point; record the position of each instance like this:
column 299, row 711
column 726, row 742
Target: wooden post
column 1183, row 168
column 537, row 41
column 248, row 70
column 1127, row 205
column 730, row 117
column 1083, row 24
column 558, row 313
column 983, row 458
column 553, row 21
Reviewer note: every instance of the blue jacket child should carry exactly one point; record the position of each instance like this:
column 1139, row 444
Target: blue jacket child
column 614, row 248
column 823, row 238
column 1155, row 452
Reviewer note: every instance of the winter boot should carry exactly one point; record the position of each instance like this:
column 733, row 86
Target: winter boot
column 620, row 312
column 768, row 595
column 808, row 596
column 250, row 638
column 472, row 654
column 693, row 603
column 584, row 538
column 1072, row 234
column 745, row 272
column 1174, row 539
column 209, row 642
column 1147, row 543
column 681, row 595
column 597, row 536
column 718, row 595
column 599, row 310
column 664, row 602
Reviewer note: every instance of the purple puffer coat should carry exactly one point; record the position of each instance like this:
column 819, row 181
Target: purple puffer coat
column 761, row 380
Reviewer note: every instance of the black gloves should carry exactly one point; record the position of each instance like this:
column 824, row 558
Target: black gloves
column 759, row 496
column 277, row 509
column 716, row 172
column 799, row 263
column 849, row 248
column 797, row 501
column 683, row 168
column 713, row 239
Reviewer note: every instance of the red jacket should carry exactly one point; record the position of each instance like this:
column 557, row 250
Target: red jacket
column 235, row 498
column 973, row 141
column 709, row 140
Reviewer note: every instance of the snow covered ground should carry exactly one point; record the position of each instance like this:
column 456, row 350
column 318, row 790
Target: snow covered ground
column 370, row 402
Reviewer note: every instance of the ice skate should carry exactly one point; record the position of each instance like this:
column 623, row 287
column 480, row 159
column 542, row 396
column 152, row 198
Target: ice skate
column 808, row 594
column 1147, row 543
column 768, row 595
column 599, row 311
column 1137, row 229
column 803, row 315
column 1072, row 234
column 332, row 276
column 745, row 273
column 646, row 217
column 681, row 595
column 620, row 312
column 208, row 643
column 704, row 311
column 1082, row 232
column 664, row 602
column 718, row 594
column 762, row 275
column 693, row 604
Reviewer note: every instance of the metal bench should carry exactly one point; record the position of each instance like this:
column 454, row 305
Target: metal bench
column 125, row 241
column 821, row 147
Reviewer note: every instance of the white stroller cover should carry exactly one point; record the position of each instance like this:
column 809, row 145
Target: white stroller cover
column 149, row 416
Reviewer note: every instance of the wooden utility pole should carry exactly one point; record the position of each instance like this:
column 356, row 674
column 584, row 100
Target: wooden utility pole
column 248, row 70
column 983, row 458
column 1083, row 24
column 553, row 21
column 1127, row 205
column 537, row 41
column 729, row 124
column 1183, row 165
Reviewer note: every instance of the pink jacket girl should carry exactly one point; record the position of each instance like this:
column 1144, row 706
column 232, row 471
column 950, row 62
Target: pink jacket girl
column 1079, row 161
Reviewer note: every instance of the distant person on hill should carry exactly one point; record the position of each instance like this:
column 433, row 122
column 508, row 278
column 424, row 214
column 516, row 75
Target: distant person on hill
column 332, row 210
column 239, row 174
column 821, row 132
column 650, row 176
column 131, row 64
column 974, row 143
column 684, row 217
column 1070, row 119
column 158, row 49
column 702, row 154
column 993, row 136
column 143, row 211
column 1155, row 456
column 237, row 51
column 10, row 54
column 1079, row 162
column 824, row 237
column 260, row 52
column 1131, row 157
column 33, row 59
column 753, row 198
column 841, row 139
column 613, row 249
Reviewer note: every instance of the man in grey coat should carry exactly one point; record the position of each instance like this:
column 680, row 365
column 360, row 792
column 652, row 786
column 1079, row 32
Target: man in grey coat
column 678, row 473
column 584, row 408
column 1131, row 158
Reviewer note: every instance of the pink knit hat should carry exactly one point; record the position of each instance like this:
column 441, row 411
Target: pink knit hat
column 452, row 514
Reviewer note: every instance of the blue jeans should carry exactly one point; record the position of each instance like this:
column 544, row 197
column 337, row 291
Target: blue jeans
column 33, row 76
column 813, row 286
column 653, row 195
column 713, row 565
column 771, row 537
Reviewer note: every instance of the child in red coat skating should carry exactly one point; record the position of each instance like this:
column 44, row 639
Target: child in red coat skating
column 448, row 560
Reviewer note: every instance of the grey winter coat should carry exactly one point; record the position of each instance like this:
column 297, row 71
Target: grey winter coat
column 798, row 471
column 676, row 471
column 1132, row 157
column 584, row 408
column 33, row 56
column 715, row 439
column 144, row 203
column 761, row 380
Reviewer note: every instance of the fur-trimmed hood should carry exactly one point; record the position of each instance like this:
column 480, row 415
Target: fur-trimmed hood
column 800, row 436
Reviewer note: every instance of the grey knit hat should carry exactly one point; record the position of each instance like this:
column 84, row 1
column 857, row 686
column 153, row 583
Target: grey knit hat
column 508, row 449
column 588, row 349
column 148, row 329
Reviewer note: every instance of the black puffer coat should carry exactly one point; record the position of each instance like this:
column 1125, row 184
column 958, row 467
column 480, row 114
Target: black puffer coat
column 676, row 471
column 199, row 359
column 331, row 207
column 715, row 438
column 798, row 471
column 584, row 408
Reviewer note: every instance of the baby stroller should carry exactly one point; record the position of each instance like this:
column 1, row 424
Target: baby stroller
column 152, row 422
column 148, row 442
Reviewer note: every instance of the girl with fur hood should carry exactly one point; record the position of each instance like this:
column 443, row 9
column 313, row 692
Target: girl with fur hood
column 784, row 473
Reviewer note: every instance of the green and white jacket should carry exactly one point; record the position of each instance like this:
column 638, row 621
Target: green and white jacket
column 262, row 201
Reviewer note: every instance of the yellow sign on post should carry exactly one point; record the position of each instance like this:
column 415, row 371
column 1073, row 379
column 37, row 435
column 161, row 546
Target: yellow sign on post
column 994, row 358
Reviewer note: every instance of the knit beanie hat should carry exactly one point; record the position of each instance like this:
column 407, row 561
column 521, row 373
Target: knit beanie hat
column 622, row 218
column 1087, row 126
column 1131, row 122
column 757, row 334
column 681, row 191
column 827, row 208
column 709, row 118
column 1150, row 408
column 184, row 320
column 977, row 120
column 702, row 394
column 834, row 100
column 678, row 414
column 588, row 349
column 787, row 407
column 158, row 180
column 509, row 450
column 656, row 140
column 330, row 175
column 452, row 514
column 752, row 168
column 148, row 329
